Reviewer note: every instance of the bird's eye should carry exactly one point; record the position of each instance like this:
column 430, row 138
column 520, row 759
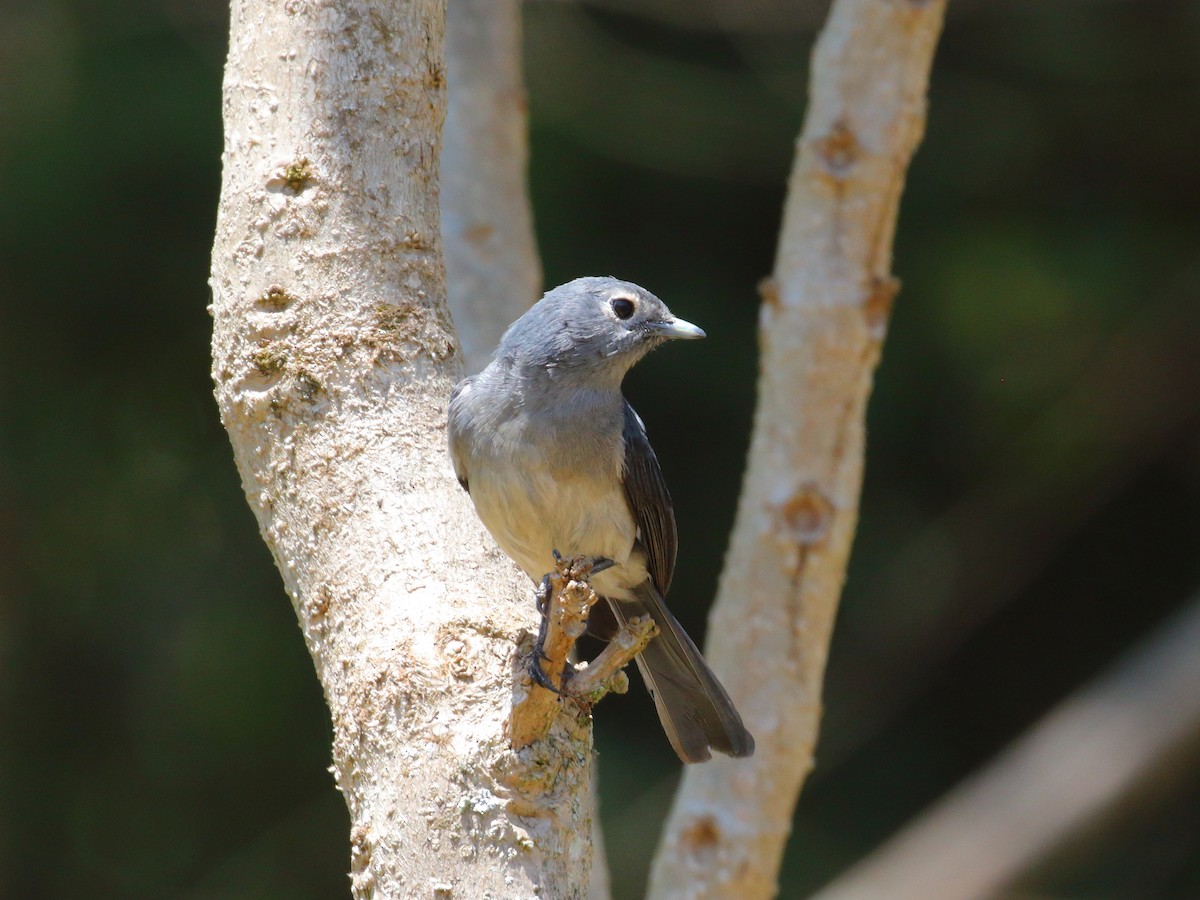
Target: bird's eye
column 623, row 307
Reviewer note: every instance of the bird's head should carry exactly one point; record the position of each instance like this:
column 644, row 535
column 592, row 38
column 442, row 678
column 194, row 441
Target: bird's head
column 596, row 324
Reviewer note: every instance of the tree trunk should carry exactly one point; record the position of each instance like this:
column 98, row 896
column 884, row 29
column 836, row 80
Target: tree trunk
column 822, row 323
column 334, row 356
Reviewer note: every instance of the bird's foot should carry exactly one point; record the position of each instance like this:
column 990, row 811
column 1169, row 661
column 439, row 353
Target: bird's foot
column 600, row 564
column 538, row 674
column 580, row 568
column 574, row 569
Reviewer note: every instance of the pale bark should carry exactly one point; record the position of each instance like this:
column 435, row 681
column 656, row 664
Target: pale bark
column 334, row 356
column 1077, row 764
column 491, row 254
column 823, row 318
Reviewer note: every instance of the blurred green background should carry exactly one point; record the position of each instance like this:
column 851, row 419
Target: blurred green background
column 1032, row 500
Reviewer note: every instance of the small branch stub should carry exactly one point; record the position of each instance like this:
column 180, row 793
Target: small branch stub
column 566, row 598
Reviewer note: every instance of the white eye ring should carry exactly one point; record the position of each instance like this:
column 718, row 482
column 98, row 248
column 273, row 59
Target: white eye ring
column 623, row 307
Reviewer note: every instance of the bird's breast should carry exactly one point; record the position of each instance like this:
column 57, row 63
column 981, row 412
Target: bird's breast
column 536, row 499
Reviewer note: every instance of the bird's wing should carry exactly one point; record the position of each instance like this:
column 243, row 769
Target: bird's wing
column 650, row 502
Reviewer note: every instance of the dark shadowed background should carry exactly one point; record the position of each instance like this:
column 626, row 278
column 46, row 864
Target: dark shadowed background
column 1032, row 499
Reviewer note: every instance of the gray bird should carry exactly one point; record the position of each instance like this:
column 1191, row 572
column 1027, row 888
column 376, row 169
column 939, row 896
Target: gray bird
column 555, row 459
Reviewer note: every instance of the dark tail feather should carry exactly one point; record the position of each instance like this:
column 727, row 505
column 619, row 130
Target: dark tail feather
column 695, row 710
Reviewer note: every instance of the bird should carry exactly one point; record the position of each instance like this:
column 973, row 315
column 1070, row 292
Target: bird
column 556, row 461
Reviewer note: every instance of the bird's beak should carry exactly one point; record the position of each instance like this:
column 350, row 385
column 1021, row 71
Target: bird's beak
column 678, row 328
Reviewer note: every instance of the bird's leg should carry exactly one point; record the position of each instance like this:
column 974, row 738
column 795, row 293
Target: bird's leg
column 536, row 672
column 564, row 599
column 543, row 598
column 549, row 594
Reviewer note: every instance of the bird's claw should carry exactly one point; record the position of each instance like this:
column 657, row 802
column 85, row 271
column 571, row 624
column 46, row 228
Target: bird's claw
column 600, row 563
column 538, row 674
column 580, row 568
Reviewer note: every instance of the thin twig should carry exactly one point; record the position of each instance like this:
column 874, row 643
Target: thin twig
column 606, row 673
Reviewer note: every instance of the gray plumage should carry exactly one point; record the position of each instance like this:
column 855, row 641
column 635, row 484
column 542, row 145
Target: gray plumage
column 554, row 458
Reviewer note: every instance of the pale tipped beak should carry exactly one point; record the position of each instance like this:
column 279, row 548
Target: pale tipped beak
column 677, row 328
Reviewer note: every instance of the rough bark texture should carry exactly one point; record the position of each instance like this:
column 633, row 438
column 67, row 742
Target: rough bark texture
column 334, row 356
column 491, row 256
column 823, row 319
column 1078, row 763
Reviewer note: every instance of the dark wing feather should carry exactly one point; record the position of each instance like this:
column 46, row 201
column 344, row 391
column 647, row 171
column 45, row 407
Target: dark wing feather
column 650, row 502
column 694, row 708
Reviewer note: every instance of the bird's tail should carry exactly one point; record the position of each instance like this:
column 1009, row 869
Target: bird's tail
column 695, row 711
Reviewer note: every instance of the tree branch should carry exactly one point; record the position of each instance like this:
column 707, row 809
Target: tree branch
column 823, row 319
column 333, row 358
column 1077, row 763
column 487, row 223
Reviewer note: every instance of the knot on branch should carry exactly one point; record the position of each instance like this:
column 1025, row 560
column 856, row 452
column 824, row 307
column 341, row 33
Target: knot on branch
column 838, row 149
column 547, row 676
column 878, row 305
